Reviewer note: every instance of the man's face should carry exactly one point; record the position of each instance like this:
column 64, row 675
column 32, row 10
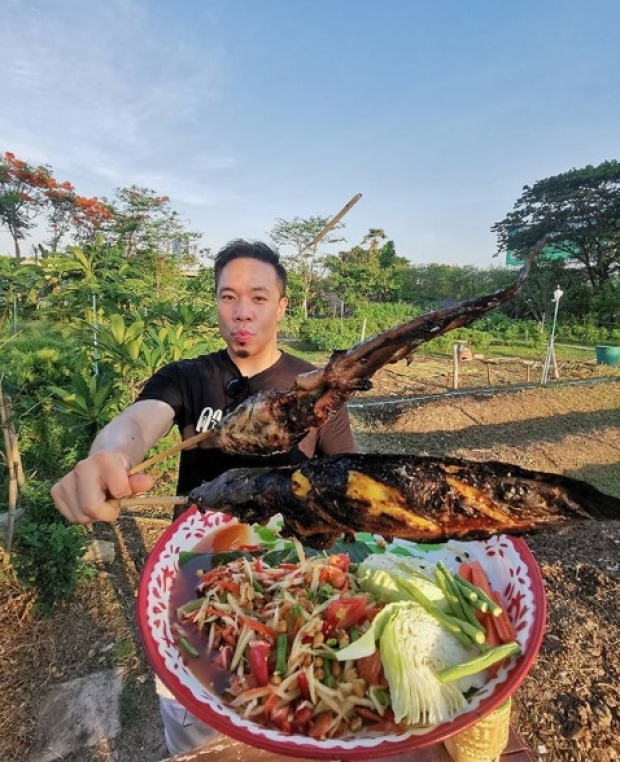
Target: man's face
column 249, row 306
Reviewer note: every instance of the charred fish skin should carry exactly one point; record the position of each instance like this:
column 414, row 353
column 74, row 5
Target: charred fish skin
column 273, row 421
column 255, row 495
column 422, row 499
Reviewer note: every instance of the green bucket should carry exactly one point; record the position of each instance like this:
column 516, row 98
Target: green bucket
column 608, row 356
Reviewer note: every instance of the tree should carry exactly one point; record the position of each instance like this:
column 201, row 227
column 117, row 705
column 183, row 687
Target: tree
column 428, row 286
column 26, row 192
column 87, row 217
column 98, row 269
column 371, row 270
column 146, row 222
column 19, row 284
column 536, row 298
column 578, row 211
column 22, row 195
column 305, row 261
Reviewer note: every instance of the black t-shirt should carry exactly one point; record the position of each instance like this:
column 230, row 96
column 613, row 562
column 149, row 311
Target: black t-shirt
column 196, row 391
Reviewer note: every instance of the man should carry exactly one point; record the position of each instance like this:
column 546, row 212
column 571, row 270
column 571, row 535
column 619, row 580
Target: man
column 195, row 394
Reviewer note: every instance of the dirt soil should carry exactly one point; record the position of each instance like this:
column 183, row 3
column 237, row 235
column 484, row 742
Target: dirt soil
column 568, row 707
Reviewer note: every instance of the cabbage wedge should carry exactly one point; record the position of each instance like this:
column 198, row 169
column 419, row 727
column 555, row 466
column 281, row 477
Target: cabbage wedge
column 414, row 647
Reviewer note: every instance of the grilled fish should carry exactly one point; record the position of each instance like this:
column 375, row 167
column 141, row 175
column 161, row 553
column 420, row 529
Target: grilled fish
column 423, row 499
column 274, row 421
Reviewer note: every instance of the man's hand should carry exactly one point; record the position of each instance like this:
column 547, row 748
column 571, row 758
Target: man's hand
column 81, row 496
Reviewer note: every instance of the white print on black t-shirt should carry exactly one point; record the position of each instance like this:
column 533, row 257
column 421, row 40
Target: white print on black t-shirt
column 209, row 418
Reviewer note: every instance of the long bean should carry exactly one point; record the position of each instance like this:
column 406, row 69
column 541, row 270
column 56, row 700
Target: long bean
column 456, row 601
column 189, row 607
column 281, row 649
column 450, row 623
column 483, row 602
column 187, row 646
column 462, row 607
column 479, row 663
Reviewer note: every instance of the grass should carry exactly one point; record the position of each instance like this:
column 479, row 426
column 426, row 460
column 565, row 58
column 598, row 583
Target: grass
column 134, row 700
column 519, row 350
column 523, row 351
column 123, row 651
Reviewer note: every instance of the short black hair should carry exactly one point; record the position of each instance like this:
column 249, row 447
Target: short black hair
column 241, row 249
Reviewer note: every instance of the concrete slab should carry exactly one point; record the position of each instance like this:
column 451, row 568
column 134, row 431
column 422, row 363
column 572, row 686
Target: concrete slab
column 78, row 714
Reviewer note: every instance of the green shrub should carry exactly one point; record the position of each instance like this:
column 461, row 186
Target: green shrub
column 48, row 560
column 47, row 555
column 291, row 324
column 40, row 355
column 386, row 314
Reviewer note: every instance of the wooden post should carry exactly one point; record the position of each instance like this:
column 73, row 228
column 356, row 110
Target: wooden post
column 555, row 364
column 13, row 456
column 12, row 467
column 12, row 502
column 488, row 364
column 455, row 362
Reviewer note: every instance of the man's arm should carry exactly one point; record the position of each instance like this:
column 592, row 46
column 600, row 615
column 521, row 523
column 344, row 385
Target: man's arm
column 81, row 495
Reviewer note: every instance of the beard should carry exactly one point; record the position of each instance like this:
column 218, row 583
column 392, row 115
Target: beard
column 242, row 353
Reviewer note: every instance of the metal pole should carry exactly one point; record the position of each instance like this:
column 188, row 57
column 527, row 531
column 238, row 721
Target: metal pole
column 557, row 295
column 95, row 347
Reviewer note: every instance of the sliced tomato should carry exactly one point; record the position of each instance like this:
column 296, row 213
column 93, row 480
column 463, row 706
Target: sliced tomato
column 229, row 635
column 303, row 685
column 385, row 724
column 370, row 669
column 372, row 611
column 302, row 716
column 320, row 725
column 260, row 651
column 344, row 613
column 280, row 717
column 271, row 703
column 224, row 657
column 334, row 576
column 340, row 560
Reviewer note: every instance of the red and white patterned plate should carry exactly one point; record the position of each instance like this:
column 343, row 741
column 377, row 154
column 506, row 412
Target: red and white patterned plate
column 510, row 565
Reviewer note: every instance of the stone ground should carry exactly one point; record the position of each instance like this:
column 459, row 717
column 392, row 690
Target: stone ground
column 567, row 709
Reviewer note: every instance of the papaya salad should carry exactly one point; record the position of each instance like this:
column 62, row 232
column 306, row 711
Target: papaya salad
column 324, row 647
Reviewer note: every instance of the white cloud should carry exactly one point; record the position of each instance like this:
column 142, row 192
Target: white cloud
column 103, row 90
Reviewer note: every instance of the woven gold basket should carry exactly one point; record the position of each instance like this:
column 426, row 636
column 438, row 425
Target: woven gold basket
column 484, row 741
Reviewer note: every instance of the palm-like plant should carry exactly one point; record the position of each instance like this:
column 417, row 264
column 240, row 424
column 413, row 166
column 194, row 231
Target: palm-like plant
column 90, row 400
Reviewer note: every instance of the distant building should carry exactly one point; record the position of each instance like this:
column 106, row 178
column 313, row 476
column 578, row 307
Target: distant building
column 549, row 252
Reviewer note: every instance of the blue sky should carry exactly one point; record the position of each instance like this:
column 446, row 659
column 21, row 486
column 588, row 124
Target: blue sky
column 246, row 111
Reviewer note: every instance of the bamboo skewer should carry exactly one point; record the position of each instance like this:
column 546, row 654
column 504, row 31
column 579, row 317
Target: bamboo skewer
column 147, row 500
column 171, row 451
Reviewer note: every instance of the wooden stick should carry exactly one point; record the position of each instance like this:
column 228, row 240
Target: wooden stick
column 334, row 220
column 171, row 451
column 142, row 501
